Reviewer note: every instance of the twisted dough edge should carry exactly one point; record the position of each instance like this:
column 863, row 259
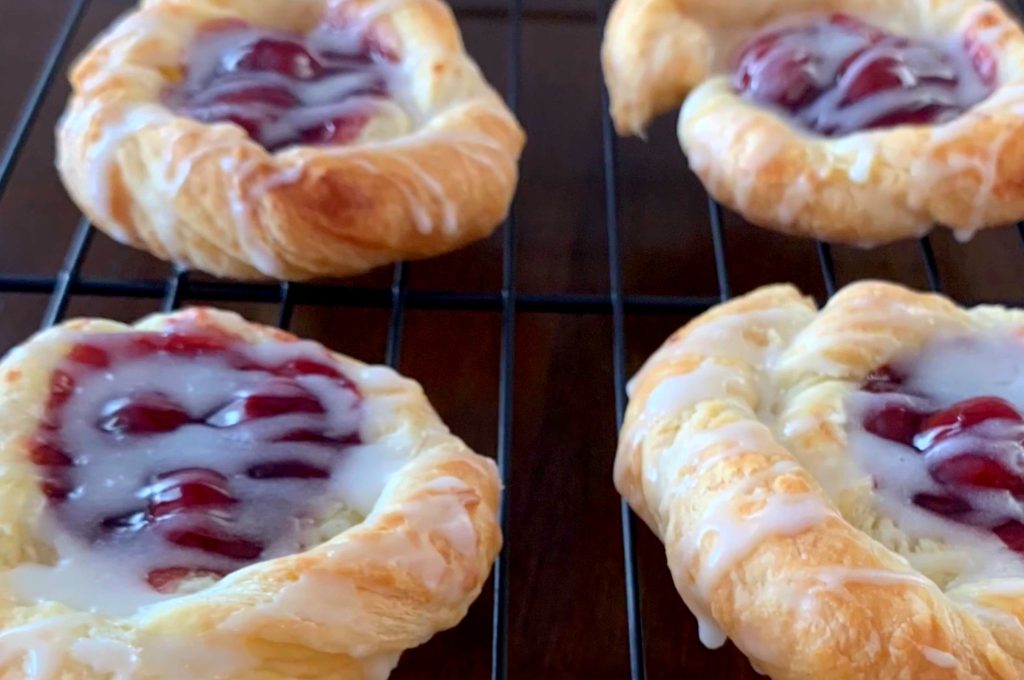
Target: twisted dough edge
column 801, row 579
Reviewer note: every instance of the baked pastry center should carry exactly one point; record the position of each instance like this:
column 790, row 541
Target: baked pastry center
column 282, row 88
column 959, row 449
column 183, row 454
column 838, row 75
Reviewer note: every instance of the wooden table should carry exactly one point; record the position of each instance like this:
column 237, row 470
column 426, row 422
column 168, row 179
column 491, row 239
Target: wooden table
column 567, row 614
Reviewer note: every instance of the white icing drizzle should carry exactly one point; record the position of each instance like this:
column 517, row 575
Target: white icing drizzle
column 396, row 123
column 102, row 154
column 782, row 514
column 725, row 338
column 836, row 577
column 797, row 194
column 841, row 55
column 707, row 382
column 352, row 89
column 939, row 658
column 108, row 577
column 424, row 222
column 438, row 512
column 449, row 211
column 756, row 154
column 946, row 371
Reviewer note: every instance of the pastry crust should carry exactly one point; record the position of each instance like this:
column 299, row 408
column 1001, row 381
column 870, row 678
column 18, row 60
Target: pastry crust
column 864, row 188
column 734, row 452
column 208, row 196
column 344, row 609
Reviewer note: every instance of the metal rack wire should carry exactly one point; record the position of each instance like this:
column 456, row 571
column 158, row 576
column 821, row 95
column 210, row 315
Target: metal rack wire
column 399, row 298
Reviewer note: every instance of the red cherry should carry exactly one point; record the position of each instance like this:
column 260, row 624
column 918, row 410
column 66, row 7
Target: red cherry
column 791, row 68
column 781, row 75
column 881, row 74
column 883, row 379
column 971, row 469
column 963, row 415
column 949, row 506
column 921, row 116
column 281, row 56
column 256, row 406
column 90, row 356
column 287, row 469
column 252, row 127
column 270, row 95
column 188, row 489
column 55, row 488
column 1012, row 534
column 895, row 422
column 47, row 455
column 212, row 537
column 166, row 580
column 190, row 507
column 298, row 367
column 179, row 344
column 62, row 386
column 142, row 414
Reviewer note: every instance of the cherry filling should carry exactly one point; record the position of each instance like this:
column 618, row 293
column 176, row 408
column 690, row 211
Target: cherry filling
column 283, row 89
column 972, row 451
column 839, row 75
column 191, row 454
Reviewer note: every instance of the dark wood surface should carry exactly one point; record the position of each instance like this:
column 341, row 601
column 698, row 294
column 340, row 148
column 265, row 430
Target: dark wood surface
column 567, row 616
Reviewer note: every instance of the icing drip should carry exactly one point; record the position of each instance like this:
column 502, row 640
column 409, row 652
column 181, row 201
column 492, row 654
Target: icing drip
column 938, row 657
column 840, row 75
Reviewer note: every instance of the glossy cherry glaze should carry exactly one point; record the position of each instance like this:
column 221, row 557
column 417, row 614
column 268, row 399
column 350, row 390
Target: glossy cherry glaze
column 838, row 75
column 972, row 451
column 204, row 453
column 283, row 89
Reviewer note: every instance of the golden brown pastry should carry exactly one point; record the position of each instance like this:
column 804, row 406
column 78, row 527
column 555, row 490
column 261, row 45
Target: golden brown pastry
column 196, row 496
column 287, row 138
column 852, row 121
column 841, row 492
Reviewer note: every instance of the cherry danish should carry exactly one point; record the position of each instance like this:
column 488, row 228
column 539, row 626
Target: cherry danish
column 854, row 123
column 287, row 140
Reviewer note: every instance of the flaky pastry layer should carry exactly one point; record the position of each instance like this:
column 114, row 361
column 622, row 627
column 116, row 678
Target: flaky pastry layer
column 345, row 609
column 207, row 196
column 864, row 188
column 734, row 452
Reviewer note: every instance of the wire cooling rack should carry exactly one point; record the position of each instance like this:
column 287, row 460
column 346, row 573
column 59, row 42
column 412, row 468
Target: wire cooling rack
column 509, row 303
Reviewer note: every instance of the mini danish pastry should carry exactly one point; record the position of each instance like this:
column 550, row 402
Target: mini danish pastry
column 287, row 138
column 841, row 492
column 200, row 497
column 852, row 121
